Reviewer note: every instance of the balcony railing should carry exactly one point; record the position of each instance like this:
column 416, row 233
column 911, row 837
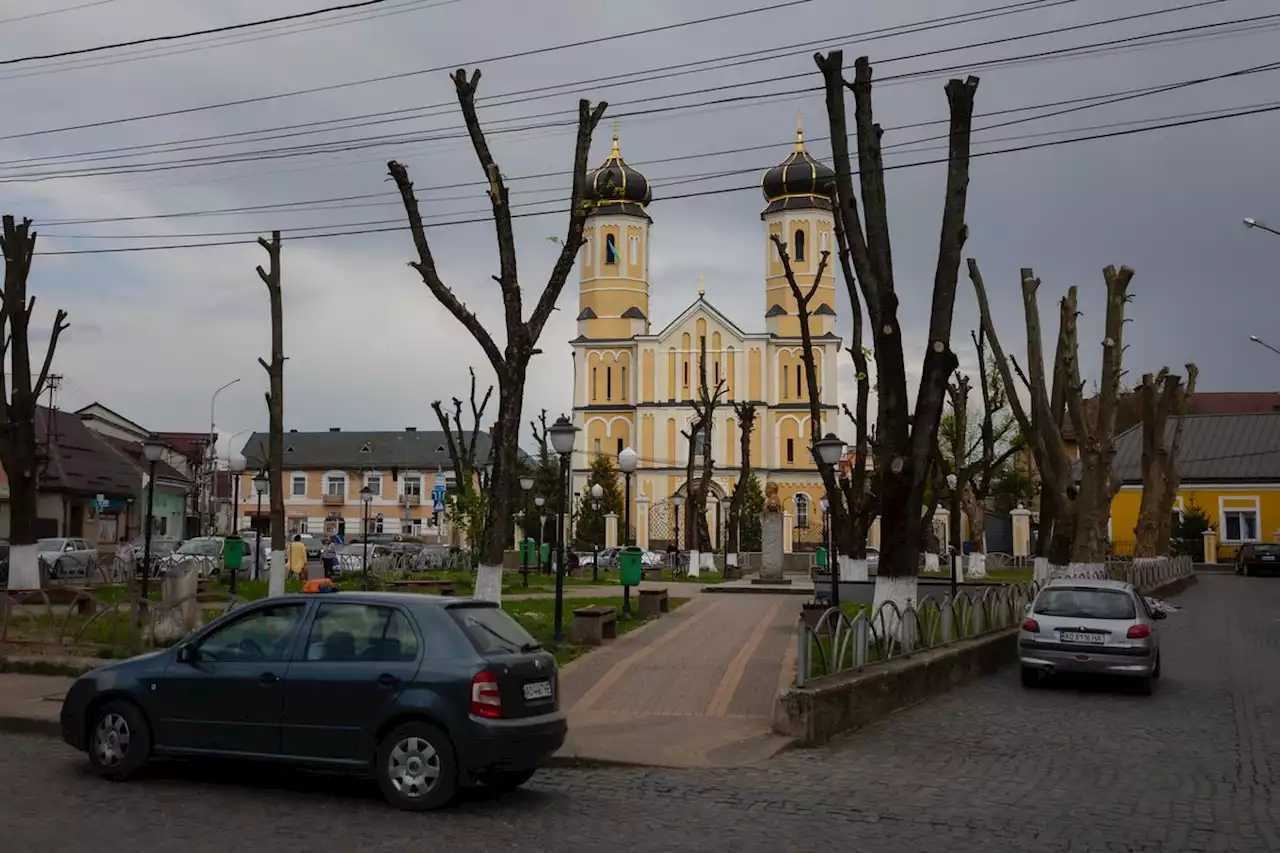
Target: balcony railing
column 410, row 500
column 334, row 500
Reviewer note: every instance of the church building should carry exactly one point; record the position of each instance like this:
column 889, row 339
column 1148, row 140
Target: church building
column 634, row 381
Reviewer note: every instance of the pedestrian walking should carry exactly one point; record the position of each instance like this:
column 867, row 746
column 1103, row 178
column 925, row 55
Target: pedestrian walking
column 125, row 557
column 329, row 557
column 297, row 557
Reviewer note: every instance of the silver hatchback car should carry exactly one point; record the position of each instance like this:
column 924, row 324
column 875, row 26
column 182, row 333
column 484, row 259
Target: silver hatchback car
column 1090, row 626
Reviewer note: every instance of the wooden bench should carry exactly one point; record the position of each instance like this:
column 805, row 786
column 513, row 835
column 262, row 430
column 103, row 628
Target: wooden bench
column 653, row 573
column 654, row 602
column 441, row 587
column 59, row 596
column 593, row 624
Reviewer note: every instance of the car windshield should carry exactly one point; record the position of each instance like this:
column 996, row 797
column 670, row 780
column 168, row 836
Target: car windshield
column 357, row 550
column 1086, row 603
column 163, row 547
column 492, row 630
column 51, row 544
column 202, row 547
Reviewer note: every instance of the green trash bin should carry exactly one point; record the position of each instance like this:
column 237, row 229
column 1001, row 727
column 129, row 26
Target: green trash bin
column 630, row 565
column 546, row 554
column 528, row 553
column 233, row 554
column 820, row 557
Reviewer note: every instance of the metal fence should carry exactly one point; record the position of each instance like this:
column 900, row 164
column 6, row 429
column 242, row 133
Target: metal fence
column 834, row 642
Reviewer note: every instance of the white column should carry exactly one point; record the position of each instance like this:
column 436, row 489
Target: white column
column 640, row 523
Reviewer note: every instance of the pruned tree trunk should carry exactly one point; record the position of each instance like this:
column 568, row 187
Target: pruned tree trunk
column 981, row 477
column 746, row 414
column 906, row 439
column 1159, row 395
column 19, row 449
column 704, row 409
column 275, row 396
column 460, row 445
column 510, row 364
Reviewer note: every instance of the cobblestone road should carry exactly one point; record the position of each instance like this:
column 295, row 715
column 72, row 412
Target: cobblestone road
column 990, row 767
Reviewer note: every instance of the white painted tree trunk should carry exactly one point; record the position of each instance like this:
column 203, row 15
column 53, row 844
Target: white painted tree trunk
column 24, row 567
column 275, row 582
column 1042, row 571
column 902, row 592
column 851, row 569
column 977, row 565
column 930, row 562
column 489, row 583
column 695, row 561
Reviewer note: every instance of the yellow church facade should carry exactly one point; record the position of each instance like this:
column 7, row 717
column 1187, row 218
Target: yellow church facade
column 635, row 382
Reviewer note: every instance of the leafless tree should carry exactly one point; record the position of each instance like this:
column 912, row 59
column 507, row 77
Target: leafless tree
column 1073, row 515
column 275, row 396
column 510, row 363
column 462, row 448
column 905, row 439
column 1162, row 395
column 699, row 432
column 19, row 449
column 745, row 411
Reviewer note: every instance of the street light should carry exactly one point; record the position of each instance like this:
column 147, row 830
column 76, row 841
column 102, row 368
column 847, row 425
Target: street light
column 1250, row 222
column 526, row 486
column 678, row 500
column 261, row 482
column 366, row 498
column 1260, row 342
column 627, row 461
column 953, row 519
column 563, row 435
column 152, row 450
column 597, row 492
column 213, row 443
column 541, row 503
column 827, row 451
column 236, row 465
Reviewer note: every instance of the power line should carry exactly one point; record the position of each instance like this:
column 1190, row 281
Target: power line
column 405, row 74
column 643, row 76
column 700, row 193
column 48, row 12
column 21, row 174
column 191, row 33
column 1073, row 105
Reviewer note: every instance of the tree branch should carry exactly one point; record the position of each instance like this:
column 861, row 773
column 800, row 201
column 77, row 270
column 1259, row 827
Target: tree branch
column 59, row 326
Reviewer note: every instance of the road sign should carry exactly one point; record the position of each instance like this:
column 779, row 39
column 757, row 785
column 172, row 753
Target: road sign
column 440, row 479
column 437, row 502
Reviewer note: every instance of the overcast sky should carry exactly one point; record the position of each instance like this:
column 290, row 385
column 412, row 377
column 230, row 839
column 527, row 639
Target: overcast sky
column 155, row 332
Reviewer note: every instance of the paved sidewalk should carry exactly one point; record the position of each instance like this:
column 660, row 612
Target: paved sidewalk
column 31, row 703
column 693, row 689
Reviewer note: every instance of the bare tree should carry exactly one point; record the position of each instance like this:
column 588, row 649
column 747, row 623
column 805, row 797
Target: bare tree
column 275, row 396
column 510, row 363
column 462, row 448
column 699, row 432
column 1161, row 394
column 19, row 449
column 905, row 439
column 998, row 438
column 745, row 411
column 1073, row 515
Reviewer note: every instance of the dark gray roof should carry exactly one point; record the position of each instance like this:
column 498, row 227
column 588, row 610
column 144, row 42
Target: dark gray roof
column 824, row 310
column 416, row 450
column 775, row 311
column 1215, row 449
column 633, row 313
column 587, row 314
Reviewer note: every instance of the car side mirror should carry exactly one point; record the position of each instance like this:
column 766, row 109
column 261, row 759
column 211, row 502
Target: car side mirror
column 187, row 654
column 1159, row 614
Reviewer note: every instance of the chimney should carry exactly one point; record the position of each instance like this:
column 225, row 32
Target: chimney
column 335, row 429
column 410, row 429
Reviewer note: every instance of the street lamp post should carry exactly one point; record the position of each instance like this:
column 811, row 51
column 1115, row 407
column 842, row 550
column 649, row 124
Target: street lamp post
column 563, row 434
column 213, row 447
column 1250, row 222
column 260, row 484
column 526, row 486
column 597, row 492
column 825, row 506
column 1260, row 342
column 677, row 500
column 236, row 465
column 541, row 503
column 366, row 498
column 152, row 450
column 627, row 461
column 827, row 452
column 953, row 519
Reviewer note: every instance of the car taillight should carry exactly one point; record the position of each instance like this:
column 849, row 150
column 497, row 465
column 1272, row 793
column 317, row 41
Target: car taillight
column 486, row 700
column 1138, row 632
column 1031, row 626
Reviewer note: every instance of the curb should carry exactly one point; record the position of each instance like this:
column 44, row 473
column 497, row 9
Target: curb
column 28, row 726
column 758, row 590
column 56, row 667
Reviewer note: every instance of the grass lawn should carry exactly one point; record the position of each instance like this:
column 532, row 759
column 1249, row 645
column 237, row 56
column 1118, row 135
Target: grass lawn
column 538, row 618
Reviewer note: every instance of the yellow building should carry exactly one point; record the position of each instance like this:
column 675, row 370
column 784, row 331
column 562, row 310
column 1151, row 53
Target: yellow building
column 634, row 386
column 1230, row 468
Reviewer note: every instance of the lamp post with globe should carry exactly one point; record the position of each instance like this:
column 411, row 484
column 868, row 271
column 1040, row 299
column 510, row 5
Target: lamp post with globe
column 526, row 486
column 827, row 452
column 597, row 492
column 236, row 465
column 563, row 434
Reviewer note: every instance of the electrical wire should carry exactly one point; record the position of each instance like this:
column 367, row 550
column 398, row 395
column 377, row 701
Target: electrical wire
column 49, row 12
column 696, row 194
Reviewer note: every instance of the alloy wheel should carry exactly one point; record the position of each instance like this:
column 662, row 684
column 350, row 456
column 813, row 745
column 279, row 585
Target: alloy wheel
column 111, row 739
column 413, row 767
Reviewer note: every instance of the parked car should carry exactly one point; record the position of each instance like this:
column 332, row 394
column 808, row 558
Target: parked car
column 208, row 553
column 67, row 558
column 339, row 681
column 160, row 548
column 1255, row 558
column 313, row 544
column 351, row 557
column 873, row 558
column 1090, row 626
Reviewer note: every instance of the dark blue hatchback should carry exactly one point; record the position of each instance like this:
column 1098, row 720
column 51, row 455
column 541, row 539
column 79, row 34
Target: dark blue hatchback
column 425, row 693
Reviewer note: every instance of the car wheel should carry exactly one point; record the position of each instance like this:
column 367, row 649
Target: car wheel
column 416, row 767
column 1030, row 677
column 1155, row 672
column 1144, row 685
column 1245, row 570
column 506, row 781
column 119, row 740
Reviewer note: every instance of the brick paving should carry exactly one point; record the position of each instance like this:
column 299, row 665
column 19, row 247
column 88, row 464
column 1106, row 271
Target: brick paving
column 988, row 767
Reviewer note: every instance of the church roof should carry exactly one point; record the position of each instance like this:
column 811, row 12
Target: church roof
column 824, row 310
column 799, row 182
column 618, row 187
column 633, row 313
column 587, row 314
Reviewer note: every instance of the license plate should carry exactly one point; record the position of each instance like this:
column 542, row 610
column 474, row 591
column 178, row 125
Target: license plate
column 1268, row 557
column 1082, row 637
column 535, row 690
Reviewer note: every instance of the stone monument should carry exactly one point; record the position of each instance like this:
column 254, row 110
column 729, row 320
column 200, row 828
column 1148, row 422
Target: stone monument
column 179, row 610
column 771, row 537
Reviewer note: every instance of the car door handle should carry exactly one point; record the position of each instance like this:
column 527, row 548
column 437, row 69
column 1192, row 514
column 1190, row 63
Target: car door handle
column 269, row 678
column 387, row 679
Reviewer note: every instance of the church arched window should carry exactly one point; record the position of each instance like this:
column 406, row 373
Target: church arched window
column 634, row 248
column 610, row 249
column 799, row 244
column 802, row 510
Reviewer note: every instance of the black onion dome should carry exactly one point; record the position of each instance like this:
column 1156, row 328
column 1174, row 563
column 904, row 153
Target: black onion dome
column 617, row 187
column 798, row 182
